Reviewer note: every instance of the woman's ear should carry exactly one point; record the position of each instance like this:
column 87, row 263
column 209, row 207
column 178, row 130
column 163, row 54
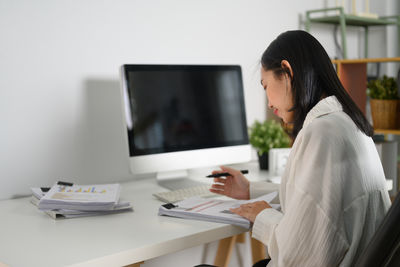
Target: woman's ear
column 286, row 65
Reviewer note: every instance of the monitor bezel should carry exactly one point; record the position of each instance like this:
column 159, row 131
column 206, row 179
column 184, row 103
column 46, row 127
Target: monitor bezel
column 188, row 158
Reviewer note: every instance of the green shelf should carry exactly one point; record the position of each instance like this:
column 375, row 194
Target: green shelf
column 352, row 20
column 344, row 20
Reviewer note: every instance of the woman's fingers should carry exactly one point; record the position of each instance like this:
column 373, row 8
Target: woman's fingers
column 239, row 211
column 232, row 171
column 245, row 212
column 219, row 180
column 216, row 191
column 251, row 210
column 217, row 186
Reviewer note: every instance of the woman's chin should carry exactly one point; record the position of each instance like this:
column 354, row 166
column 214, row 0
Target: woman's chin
column 287, row 119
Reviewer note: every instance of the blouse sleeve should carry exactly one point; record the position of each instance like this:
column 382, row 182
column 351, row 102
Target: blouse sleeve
column 305, row 234
column 260, row 188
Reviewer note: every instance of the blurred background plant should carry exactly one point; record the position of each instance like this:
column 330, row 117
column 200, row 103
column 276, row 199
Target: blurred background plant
column 266, row 135
column 384, row 102
column 383, row 88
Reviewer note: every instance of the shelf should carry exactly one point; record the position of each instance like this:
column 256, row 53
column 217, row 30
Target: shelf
column 352, row 20
column 343, row 20
column 365, row 60
column 353, row 75
column 387, row 131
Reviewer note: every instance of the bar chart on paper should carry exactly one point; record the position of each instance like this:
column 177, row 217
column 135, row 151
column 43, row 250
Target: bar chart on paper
column 82, row 197
column 71, row 201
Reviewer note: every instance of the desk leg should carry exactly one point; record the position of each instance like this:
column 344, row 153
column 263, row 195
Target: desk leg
column 257, row 250
column 241, row 238
column 224, row 251
column 134, row 264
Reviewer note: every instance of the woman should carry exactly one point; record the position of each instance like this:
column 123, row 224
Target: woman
column 333, row 191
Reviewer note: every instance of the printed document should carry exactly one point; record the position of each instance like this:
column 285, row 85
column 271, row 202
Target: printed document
column 214, row 210
column 81, row 197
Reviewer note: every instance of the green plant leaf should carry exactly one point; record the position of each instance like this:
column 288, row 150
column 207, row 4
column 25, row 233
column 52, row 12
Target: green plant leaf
column 383, row 88
column 266, row 135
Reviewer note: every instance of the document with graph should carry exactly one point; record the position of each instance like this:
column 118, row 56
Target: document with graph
column 81, row 197
column 214, row 210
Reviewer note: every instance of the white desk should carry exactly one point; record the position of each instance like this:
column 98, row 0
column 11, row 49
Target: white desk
column 29, row 237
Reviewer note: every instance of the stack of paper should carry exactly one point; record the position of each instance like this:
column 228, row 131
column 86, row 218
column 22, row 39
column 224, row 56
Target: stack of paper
column 69, row 201
column 213, row 210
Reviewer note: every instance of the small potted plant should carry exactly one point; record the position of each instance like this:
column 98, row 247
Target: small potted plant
column 266, row 135
column 384, row 102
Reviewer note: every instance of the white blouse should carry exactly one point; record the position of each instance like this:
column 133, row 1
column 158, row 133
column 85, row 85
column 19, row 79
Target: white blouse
column 333, row 194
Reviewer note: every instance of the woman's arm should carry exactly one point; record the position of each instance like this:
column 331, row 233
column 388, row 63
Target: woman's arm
column 309, row 232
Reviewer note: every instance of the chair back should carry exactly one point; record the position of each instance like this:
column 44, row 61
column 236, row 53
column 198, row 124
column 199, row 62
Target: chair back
column 384, row 248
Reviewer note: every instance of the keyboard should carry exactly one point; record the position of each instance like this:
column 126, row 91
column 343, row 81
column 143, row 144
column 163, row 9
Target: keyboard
column 181, row 194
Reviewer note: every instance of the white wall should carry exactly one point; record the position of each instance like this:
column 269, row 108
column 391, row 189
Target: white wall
column 60, row 108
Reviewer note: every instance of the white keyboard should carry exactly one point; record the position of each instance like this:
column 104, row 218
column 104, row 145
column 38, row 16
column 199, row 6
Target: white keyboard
column 181, row 194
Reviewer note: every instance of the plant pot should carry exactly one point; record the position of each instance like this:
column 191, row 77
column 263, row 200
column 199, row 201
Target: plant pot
column 384, row 113
column 263, row 161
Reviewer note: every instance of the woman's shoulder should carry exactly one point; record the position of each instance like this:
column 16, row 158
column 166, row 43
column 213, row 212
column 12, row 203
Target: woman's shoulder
column 334, row 125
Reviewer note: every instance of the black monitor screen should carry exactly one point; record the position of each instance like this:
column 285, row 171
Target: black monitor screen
column 179, row 107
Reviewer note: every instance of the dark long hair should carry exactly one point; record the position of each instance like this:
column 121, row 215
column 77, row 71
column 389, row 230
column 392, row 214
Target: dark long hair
column 313, row 77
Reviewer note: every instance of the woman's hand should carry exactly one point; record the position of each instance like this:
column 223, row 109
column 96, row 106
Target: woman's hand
column 235, row 185
column 251, row 210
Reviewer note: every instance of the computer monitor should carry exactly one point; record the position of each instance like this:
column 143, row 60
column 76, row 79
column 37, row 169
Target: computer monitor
column 180, row 117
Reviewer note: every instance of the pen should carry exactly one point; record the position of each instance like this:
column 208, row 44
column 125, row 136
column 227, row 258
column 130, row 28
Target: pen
column 225, row 174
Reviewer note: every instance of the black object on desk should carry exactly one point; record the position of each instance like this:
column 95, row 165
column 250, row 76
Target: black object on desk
column 169, row 206
column 65, row 183
column 225, row 174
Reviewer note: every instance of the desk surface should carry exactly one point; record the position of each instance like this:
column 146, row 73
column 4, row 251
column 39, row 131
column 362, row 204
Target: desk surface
column 31, row 238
